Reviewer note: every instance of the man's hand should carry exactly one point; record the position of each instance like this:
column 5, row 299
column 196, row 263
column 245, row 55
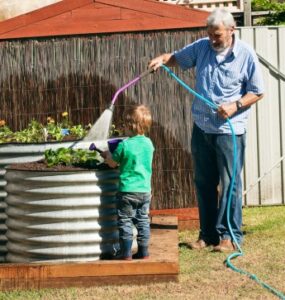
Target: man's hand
column 166, row 59
column 227, row 110
column 156, row 62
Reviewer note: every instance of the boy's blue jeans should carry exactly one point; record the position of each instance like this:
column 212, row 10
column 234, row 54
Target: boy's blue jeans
column 213, row 158
column 133, row 209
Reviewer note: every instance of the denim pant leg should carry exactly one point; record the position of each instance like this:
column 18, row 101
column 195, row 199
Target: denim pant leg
column 125, row 214
column 206, row 177
column 141, row 220
column 224, row 148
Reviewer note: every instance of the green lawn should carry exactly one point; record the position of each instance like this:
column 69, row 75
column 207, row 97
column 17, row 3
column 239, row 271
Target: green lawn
column 203, row 274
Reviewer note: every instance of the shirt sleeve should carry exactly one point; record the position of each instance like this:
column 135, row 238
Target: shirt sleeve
column 118, row 153
column 187, row 56
column 255, row 82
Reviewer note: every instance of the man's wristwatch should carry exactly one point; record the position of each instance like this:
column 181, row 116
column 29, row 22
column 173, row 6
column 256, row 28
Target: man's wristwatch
column 239, row 105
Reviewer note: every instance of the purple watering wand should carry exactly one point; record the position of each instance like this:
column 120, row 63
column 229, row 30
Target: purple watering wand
column 132, row 82
column 100, row 129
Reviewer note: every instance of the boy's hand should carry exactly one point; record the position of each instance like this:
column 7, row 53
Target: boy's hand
column 107, row 155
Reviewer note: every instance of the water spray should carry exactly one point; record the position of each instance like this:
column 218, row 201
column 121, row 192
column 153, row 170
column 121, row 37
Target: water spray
column 101, row 128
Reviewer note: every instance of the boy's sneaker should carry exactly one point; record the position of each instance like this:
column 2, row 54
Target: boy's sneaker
column 142, row 253
column 138, row 256
column 125, row 252
column 121, row 257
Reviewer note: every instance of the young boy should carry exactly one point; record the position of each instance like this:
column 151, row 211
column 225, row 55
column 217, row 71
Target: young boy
column 134, row 158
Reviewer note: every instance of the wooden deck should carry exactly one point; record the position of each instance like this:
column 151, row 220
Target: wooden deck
column 161, row 266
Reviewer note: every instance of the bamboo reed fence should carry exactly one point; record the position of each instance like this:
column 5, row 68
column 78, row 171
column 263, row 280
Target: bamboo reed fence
column 43, row 77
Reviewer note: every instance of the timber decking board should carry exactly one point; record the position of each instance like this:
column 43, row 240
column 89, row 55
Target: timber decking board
column 161, row 266
column 188, row 218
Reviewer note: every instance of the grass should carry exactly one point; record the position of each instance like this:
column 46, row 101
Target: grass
column 203, row 274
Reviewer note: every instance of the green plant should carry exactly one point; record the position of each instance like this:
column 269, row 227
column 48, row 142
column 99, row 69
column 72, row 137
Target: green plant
column 50, row 131
column 78, row 130
column 267, row 5
column 33, row 133
column 37, row 132
column 114, row 132
column 65, row 122
column 68, row 157
column 53, row 130
column 5, row 132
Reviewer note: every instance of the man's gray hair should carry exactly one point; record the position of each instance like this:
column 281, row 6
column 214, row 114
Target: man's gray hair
column 221, row 16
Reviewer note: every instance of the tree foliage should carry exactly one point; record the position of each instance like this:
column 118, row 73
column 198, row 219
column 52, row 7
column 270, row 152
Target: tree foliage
column 276, row 9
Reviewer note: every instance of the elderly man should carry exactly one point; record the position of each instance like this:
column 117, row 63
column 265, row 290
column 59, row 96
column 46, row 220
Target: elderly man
column 228, row 74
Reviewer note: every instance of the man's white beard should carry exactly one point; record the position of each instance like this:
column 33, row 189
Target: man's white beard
column 220, row 48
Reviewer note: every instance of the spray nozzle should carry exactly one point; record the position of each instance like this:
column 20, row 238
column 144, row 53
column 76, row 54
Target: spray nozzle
column 93, row 147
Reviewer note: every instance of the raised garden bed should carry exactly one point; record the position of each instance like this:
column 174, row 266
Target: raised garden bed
column 22, row 153
column 60, row 213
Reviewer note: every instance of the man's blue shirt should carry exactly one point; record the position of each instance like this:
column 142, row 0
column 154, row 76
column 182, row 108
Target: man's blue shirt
column 224, row 82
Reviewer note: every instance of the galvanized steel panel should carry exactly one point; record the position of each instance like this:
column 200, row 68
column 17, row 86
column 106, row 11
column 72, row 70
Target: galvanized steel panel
column 21, row 153
column 47, row 224
column 265, row 136
column 281, row 65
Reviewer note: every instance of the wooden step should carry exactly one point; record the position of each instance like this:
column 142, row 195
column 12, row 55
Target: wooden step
column 161, row 266
column 188, row 218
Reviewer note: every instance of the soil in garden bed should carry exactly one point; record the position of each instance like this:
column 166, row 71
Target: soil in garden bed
column 41, row 166
column 70, row 138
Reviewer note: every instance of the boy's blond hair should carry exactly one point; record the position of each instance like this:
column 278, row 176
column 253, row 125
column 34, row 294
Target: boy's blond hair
column 138, row 119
